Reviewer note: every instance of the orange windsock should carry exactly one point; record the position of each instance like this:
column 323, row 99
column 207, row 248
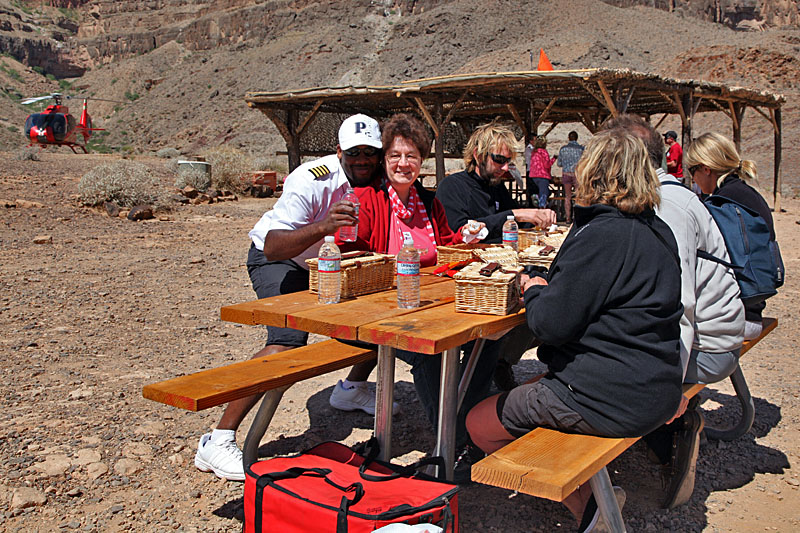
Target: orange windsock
column 544, row 63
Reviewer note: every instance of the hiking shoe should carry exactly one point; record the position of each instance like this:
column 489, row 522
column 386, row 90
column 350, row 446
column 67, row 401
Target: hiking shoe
column 223, row 458
column 465, row 458
column 683, row 464
column 592, row 519
column 360, row 397
column 504, row 376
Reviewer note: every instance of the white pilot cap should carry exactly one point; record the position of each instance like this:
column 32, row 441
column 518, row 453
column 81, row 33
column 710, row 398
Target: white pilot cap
column 359, row 130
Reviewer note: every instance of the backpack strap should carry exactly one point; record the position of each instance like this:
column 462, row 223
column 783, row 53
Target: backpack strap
column 661, row 238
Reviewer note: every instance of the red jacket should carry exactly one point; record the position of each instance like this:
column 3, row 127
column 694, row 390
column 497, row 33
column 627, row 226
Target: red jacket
column 374, row 220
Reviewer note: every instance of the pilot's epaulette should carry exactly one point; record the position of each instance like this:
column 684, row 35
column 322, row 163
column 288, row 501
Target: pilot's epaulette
column 320, row 171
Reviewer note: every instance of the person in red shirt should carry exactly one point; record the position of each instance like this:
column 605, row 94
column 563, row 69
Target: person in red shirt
column 674, row 155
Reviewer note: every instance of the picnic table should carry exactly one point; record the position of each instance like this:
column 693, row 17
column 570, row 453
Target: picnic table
column 435, row 327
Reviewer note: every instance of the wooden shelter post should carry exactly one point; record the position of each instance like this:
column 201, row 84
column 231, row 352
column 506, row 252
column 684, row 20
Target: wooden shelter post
column 293, row 143
column 438, row 113
column 777, row 181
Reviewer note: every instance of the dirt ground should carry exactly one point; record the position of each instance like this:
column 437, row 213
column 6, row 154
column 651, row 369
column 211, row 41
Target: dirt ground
column 110, row 305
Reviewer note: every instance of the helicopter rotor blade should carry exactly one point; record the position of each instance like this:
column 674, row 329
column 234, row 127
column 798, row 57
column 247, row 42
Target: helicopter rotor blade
column 35, row 99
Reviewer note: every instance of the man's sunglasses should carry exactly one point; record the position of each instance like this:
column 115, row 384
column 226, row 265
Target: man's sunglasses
column 693, row 169
column 368, row 151
column 500, row 159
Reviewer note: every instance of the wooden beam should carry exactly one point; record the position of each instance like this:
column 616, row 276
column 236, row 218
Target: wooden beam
column 586, row 120
column 607, row 97
column 439, row 146
column 677, row 100
column 548, row 130
column 455, row 106
column 283, row 128
column 543, row 114
column 733, row 116
column 309, row 117
column 518, row 120
column 661, row 121
column 627, row 101
column 770, row 117
column 777, row 181
column 432, row 123
column 718, row 106
column 591, row 91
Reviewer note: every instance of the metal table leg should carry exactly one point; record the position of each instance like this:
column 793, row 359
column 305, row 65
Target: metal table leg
column 466, row 378
column 448, row 397
column 384, row 400
column 260, row 424
column 606, row 501
column 748, row 411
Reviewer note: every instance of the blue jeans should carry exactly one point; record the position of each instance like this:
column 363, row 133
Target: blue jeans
column 426, row 370
column 543, row 187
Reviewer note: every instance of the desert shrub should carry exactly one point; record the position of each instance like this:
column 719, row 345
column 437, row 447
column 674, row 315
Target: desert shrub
column 229, row 168
column 262, row 163
column 168, row 153
column 196, row 177
column 126, row 183
column 27, row 153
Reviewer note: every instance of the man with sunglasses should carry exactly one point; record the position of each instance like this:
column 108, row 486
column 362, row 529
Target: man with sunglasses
column 309, row 208
column 674, row 155
column 478, row 192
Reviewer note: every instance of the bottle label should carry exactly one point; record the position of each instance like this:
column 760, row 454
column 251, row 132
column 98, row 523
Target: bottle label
column 329, row 265
column 510, row 236
column 410, row 268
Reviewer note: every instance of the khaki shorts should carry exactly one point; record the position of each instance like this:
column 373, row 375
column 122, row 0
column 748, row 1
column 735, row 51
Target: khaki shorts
column 533, row 405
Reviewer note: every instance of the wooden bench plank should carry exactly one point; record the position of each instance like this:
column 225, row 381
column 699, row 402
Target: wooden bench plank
column 550, row 464
column 217, row 386
column 436, row 329
column 349, row 315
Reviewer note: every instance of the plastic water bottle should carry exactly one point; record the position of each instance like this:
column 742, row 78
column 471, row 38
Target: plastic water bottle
column 349, row 233
column 510, row 232
column 329, row 272
column 408, row 275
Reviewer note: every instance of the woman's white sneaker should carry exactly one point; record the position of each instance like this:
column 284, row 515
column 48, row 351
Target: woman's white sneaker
column 360, row 397
column 224, row 458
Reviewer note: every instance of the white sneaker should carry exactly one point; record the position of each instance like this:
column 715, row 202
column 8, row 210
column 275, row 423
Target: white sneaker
column 359, row 397
column 223, row 458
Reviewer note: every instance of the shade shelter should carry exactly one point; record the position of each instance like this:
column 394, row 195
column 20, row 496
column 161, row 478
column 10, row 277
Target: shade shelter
column 454, row 105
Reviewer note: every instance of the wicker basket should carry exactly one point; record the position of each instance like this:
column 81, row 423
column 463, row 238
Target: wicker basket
column 505, row 255
column 460, row 252
column 531, row 256
column 497, row 294
column 367, row 273
column 527, row 237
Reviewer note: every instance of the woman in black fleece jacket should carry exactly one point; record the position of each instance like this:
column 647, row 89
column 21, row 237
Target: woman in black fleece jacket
column 607, row 315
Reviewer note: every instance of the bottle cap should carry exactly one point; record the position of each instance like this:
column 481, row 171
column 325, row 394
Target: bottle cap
column 510, row 217
column 330, row 238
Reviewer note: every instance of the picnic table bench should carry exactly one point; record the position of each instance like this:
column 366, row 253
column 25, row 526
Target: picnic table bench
column 550, row 464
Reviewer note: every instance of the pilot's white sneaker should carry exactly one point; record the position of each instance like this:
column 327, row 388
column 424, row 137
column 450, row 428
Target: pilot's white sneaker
column 223, row 457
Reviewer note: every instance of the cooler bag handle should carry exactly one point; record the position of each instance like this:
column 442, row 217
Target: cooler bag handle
column 371, row 449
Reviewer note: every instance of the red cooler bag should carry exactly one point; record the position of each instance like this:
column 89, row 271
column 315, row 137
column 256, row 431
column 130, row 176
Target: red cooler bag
column 331, row 488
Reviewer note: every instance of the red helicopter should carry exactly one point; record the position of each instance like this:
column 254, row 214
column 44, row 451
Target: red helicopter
column 55, row 126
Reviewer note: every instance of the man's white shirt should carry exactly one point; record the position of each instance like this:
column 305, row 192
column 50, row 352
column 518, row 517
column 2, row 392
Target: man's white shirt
column 308, row 193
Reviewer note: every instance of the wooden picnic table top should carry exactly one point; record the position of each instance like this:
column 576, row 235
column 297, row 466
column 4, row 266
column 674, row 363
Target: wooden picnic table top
column 275, row 310
column 433, row 327
column 436, row 329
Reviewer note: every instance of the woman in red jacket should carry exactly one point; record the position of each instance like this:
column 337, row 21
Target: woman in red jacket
column 539, row 173
column 399, row 204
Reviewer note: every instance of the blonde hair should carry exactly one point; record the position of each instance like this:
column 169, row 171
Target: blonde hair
column 540, row 142
column 615, row 170
column 485, row 139
column 718, row 153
